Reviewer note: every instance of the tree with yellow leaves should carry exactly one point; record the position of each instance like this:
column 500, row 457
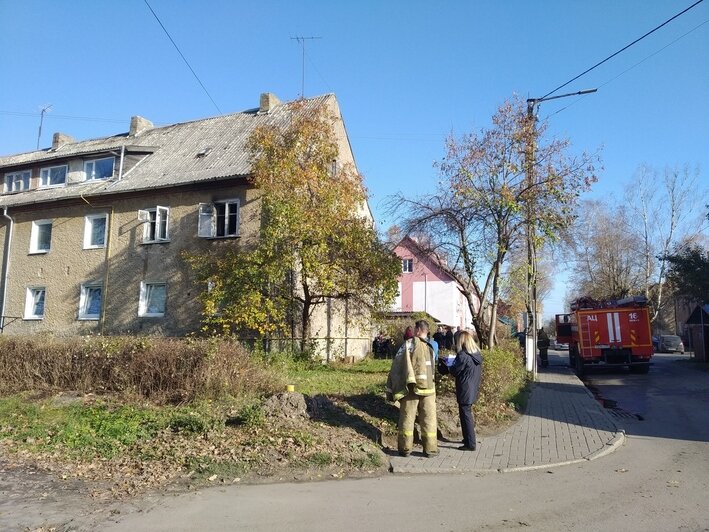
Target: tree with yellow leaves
column 316, row 242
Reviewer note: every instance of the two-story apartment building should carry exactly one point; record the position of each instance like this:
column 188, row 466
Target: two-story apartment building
column 425, row 287
column 92, row 232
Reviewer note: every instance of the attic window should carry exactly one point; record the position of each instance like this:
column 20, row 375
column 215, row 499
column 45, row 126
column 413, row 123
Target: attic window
column 204, row 152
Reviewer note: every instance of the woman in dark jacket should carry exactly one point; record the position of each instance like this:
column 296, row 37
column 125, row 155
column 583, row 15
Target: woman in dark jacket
column 467, row 370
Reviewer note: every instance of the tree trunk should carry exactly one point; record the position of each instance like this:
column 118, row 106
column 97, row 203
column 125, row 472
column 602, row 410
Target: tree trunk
column 305, row 324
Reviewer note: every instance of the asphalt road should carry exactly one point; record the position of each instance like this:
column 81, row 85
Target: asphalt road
column 658, row 480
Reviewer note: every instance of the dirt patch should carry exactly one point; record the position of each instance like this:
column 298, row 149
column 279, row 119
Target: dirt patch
column 298, row 438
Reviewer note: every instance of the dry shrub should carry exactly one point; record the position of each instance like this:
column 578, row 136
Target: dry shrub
column 158, row 369
column 504, row 377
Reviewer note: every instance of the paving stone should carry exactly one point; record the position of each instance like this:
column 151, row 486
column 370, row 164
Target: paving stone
column 563, row 422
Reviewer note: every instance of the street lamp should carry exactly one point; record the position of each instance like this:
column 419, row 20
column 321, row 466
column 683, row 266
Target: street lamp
column 532, row 326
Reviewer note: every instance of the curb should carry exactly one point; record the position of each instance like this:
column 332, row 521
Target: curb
column 617, row 441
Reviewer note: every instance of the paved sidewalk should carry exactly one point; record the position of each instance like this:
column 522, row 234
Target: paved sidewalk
column 563, row 424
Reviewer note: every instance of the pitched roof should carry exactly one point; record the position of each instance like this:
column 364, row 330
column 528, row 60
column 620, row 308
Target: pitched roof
column 699, row 316
column 173, row 150
column 413, row 245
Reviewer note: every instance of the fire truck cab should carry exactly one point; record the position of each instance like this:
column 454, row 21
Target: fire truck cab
column 609, row 333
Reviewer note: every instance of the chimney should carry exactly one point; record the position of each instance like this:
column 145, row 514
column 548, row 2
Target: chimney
column 268, row 102
column 60, row 139
column 138, row 124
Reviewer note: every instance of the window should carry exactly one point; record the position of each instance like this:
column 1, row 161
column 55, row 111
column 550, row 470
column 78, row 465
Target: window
column 41, row 236
column 95, row 231
column 17, row 181
column 152, row 299
column 219, row 219
column 90, row 302
column 53, row 176
column 156, row 224
column 34, row 303
column 407, row 265
column 99, row 168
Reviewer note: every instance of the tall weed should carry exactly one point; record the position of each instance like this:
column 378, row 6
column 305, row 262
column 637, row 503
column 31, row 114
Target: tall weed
column 158, row 369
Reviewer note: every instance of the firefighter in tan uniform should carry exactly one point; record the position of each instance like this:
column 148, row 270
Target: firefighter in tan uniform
column 411, row 382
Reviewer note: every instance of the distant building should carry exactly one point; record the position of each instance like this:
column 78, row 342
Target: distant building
column 92, row 232
column 425, row 287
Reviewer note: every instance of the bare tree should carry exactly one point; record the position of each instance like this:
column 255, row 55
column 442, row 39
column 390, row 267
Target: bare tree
column 480, row 210
column 609, row 261
column 664, row 207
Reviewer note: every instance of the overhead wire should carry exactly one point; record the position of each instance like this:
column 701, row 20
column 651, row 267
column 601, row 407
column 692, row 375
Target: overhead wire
column 577, row 100
column 183, row 57
column 622, row 49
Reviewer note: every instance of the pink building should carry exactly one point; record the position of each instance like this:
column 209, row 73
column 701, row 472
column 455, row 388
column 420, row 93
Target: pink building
column 425, row 287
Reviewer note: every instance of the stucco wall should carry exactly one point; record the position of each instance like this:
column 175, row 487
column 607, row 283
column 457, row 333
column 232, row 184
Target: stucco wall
column 428, row 288
column 121, row 265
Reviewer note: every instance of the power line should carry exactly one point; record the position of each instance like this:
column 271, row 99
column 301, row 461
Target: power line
column 623, row 49
column 632, row 67
column 183, row 57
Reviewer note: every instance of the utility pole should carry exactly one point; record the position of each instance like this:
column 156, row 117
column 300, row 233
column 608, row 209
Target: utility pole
column 302, row 40
column 41, row 121
column 532, row 327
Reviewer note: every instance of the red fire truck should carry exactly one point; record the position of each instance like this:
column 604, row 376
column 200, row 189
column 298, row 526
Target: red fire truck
column 610, row 333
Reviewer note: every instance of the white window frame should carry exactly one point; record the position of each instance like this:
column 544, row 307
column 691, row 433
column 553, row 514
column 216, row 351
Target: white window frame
column 207, row 221
column 11, row 179
column 90, row 175
column 410, row 263
column 30, row 302
column 34, row 237
column 88, row 230
column 143, row 301
column 83, row 301
column 144, row 215
column 45, row 178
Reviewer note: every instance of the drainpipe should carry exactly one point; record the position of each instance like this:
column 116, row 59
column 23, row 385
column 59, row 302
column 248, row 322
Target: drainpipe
column 6, row 265
column 107, row 259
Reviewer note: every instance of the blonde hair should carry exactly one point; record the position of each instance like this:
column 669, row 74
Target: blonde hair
column 466, row 343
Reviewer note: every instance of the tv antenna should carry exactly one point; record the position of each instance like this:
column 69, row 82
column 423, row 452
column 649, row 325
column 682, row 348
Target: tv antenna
column 41, row 121
column 302, row 40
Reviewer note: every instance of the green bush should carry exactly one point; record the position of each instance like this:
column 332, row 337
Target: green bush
column 503, row 381
column 504, row 375
column 194, row 422
column 251, row 416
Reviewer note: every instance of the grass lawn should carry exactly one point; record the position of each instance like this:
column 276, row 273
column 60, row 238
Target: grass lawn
column 368, row 376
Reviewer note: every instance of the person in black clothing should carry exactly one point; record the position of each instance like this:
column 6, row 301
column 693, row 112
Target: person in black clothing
column 543, row 345
column 440, row 338
column 450, row 344
column 379, row 346
column 467, row 370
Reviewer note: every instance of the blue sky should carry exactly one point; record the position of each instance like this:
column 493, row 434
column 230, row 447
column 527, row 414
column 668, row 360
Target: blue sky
column 406, row 74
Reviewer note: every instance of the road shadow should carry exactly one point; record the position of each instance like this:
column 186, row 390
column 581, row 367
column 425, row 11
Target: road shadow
column 668, row 402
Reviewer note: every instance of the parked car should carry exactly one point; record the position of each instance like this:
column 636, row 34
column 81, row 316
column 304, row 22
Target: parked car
column 559, row 346
column 670, row 343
